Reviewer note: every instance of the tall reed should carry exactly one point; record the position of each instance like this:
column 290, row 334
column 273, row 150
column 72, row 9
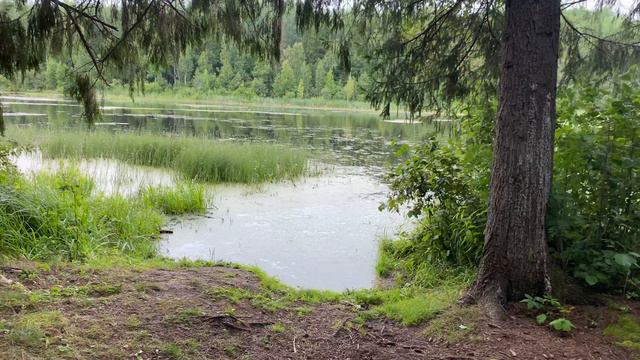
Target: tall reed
column 61, row 216
column 195, row 159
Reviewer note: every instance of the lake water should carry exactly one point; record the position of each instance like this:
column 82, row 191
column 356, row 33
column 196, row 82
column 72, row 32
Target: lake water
column 318, row 232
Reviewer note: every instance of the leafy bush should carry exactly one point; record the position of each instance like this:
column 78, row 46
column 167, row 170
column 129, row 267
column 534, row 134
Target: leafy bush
column 593, row 221
column 444, row 193
column 594, row 215
column 445, row 186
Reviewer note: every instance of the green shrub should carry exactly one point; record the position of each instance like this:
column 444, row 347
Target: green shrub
column 594, row 215
column 593, row 219
column 447, row 192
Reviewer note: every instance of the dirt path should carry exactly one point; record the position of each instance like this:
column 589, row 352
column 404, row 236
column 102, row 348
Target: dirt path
column 223, row 313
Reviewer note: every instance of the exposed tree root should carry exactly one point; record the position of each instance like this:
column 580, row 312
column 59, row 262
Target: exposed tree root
column 491, row 294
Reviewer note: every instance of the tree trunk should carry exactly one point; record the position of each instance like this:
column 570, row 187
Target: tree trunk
column 515, row 258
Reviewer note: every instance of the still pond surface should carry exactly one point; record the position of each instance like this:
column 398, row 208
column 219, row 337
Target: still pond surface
column 318, row 232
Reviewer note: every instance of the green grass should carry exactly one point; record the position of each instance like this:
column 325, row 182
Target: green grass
column 422, row 289
column 172, row 351
column 457, row 324
column 33, row 329
column 385, row 263
column 61, row 216
column 409, row 304
column 278, row 328
column 180, row 199
column 626, row 331
column 195, row 159
column 121, row 95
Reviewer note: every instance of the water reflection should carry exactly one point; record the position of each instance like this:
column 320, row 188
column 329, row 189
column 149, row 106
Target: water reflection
column 341, row 138
column 321, row 232
column 318, row 232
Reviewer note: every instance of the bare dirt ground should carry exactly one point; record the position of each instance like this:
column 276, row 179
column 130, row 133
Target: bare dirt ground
column 219, row 313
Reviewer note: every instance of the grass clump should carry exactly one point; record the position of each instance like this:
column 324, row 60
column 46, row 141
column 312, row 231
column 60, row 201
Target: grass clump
column 184, row 316
column 196, row 159
column 412, row 306
column 456, row 324
column 182, row 199
column 235, row 295
column 626, row 331
column 61, row 216
column 33, row 329
column 17, row 300
column 422, row 289
column 104, row 289
column 278, row 328
column 231, row 350
column 172, row 350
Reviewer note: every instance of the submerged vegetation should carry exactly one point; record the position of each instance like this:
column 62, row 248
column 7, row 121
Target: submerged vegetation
column 196, row 159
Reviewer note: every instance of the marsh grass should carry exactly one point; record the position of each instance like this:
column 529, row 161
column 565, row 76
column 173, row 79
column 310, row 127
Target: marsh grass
column 60, row 216
column 195, row 159
column 180, row 199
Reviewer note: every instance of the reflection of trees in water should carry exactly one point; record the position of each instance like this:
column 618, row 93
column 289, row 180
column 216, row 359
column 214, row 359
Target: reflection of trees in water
column 346, row 138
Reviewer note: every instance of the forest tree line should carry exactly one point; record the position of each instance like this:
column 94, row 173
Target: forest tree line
column 308, row 68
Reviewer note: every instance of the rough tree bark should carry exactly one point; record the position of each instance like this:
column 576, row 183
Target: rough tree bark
column 515, row 258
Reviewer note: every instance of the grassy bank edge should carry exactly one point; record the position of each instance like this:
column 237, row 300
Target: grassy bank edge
column 405, row 305
column 229, row 100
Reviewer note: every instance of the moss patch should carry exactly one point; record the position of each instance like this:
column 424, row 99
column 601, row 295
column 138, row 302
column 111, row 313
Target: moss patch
column 626, row 331
column 456, row 324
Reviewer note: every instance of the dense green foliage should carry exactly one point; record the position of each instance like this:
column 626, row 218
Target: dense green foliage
column 594, row 215
column 196, row 159
column 593, row 220
column 308, row 70
column 60, row 216
column 448, row 196
column 229, row 48
column 97, row 37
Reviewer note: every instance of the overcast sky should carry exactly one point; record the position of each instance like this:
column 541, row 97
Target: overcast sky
column 623, row 5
